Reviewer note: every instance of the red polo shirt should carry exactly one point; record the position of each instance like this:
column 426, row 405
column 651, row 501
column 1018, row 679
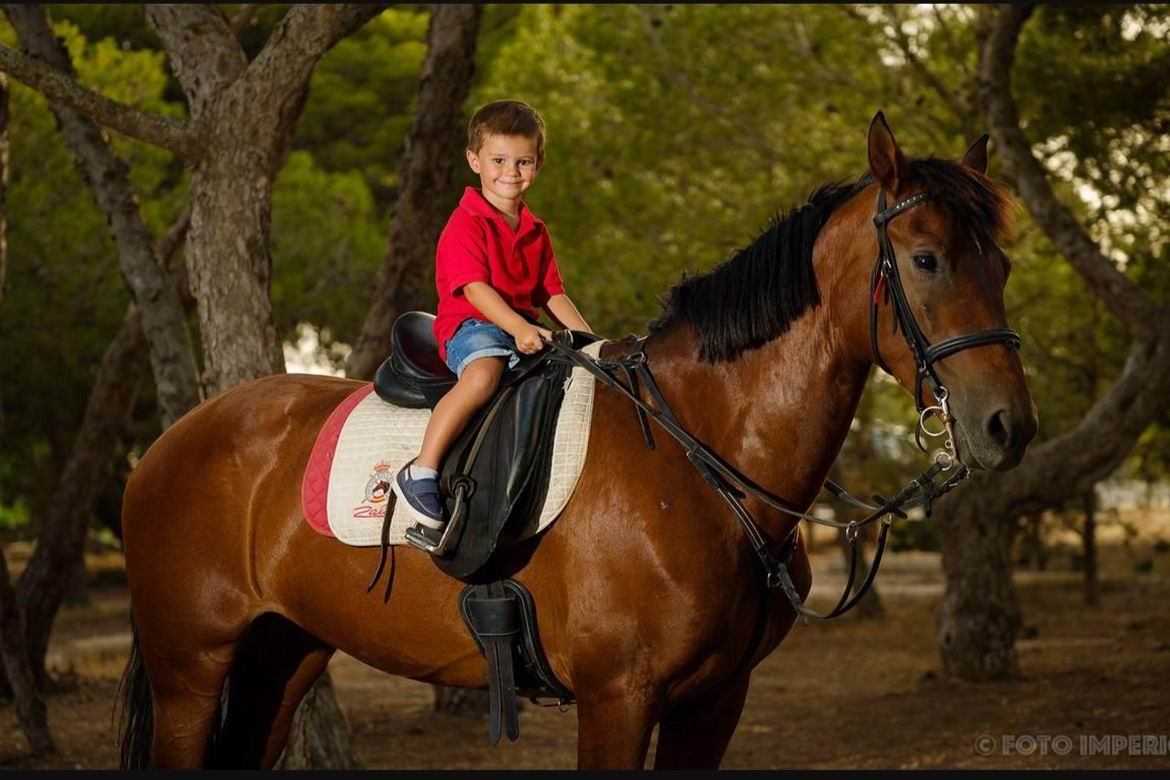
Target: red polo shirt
column 478, row 246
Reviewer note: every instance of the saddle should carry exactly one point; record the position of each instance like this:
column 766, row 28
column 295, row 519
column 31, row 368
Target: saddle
column 494, row 478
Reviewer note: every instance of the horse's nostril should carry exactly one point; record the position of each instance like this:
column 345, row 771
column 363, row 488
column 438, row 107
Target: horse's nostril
column 999, row 429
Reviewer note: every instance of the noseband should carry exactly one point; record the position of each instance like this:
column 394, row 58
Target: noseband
column 886, row 285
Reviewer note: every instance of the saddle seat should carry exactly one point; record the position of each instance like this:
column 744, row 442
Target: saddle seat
column 414, row 376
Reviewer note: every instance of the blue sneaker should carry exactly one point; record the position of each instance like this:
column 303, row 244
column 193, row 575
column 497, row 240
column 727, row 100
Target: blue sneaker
column 423, row 502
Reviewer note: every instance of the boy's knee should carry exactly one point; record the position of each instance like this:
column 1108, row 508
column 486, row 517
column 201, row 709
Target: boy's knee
column 483, row 376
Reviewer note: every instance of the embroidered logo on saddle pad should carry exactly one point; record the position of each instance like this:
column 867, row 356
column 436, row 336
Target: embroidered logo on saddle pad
column 366, row 441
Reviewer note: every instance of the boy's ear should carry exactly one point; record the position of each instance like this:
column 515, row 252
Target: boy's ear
column 473, row 160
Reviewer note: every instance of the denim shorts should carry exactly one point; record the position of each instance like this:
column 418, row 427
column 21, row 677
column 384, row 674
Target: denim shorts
column 475, row 339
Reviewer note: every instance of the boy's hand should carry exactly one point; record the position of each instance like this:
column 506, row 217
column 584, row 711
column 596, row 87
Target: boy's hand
column 529, row 338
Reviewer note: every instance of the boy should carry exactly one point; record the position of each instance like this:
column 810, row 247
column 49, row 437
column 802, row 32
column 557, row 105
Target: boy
column 494, row 263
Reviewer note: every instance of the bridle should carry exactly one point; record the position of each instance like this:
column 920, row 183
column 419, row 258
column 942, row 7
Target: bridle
column 886, row 286
column 733, row 486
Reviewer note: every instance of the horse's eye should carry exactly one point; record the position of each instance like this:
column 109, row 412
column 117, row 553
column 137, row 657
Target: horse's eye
column 926, row 262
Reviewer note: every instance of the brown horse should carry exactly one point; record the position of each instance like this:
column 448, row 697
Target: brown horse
column 646, row 589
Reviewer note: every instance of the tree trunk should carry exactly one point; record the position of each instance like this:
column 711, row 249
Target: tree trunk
column 320, row 735
column 471, row 702
column 980, row 616
column 1033, row 553
column 30, row 708
column 433, row 146
column 42, row 585
column 245, row 111
column 1089, row 548
column 229, row 267
column 172, row 357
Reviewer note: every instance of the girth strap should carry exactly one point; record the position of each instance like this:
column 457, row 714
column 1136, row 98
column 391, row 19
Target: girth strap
column 494, row 616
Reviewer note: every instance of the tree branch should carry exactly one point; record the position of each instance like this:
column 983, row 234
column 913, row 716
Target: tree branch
column 932, row 80
column 171, row 240
column 171, row 354
column 244, row 17
column 202, row 47
column 128, row 120
column 1123, row 298
column 300, row 39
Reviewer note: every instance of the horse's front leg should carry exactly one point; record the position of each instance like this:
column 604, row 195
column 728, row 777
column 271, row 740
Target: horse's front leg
column 696, row 735
column 613, row 731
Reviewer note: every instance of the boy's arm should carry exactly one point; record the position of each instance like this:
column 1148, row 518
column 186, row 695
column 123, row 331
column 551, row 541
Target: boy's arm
column 484, row 297
column 562, row 311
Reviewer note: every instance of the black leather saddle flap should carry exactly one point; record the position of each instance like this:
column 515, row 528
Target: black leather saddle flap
column 502, row 460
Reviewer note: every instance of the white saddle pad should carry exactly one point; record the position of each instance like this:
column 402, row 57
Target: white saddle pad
column 377, row 438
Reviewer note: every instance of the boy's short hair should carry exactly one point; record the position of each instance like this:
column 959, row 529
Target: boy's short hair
column 506, row 117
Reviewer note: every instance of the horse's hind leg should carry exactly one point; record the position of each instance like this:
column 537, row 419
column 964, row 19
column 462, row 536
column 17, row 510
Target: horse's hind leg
column 696, row 736
column 186, row 690
column 275, row 666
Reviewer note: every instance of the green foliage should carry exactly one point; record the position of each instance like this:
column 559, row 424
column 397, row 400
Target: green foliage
column 65, row 297
column 327, row 246
column 666, row 152
column 675, row 133
column 362, row 97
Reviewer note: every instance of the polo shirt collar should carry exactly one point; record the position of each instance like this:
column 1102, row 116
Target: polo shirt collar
column 475, row 203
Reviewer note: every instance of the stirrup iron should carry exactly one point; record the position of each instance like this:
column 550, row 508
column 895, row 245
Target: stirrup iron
column 416, row 539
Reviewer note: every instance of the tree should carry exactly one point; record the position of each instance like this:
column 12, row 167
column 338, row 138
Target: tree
column 242, row 116
column 158, row 321
column 980, row 616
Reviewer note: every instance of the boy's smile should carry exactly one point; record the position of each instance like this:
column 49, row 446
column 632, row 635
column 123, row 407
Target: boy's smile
column 507, row 165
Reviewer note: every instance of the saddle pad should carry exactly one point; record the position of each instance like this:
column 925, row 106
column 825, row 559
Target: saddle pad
column 365, row 441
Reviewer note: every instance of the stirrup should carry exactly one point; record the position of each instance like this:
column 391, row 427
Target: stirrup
column 417, row 539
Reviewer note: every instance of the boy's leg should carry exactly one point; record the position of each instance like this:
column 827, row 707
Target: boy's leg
column 475, row 388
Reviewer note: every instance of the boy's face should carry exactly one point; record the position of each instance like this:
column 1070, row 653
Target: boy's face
column 507, row 165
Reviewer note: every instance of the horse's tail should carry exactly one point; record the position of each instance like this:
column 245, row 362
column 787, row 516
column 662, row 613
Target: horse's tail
column 133, row 699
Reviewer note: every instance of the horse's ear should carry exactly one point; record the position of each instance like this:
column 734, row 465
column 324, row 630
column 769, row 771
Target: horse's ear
column 976, row 156
column 886, row 162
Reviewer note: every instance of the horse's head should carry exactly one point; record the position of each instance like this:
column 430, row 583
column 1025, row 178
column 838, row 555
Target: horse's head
column 943, row 279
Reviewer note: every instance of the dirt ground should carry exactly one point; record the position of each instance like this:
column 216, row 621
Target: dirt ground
column 847, row 694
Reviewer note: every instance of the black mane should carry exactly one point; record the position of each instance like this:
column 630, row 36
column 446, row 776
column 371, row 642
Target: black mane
column 752, row 297
column 755, row 295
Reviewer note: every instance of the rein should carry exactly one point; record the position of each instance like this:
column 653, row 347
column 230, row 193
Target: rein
column 733, row 486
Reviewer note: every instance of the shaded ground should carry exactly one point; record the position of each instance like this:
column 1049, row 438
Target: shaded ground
column 848, row 694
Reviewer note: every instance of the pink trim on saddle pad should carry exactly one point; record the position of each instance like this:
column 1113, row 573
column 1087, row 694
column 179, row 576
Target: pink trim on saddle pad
column 315, row 483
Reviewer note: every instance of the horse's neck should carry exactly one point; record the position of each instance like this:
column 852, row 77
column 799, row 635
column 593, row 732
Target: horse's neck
column 778, row 413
